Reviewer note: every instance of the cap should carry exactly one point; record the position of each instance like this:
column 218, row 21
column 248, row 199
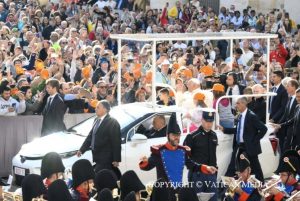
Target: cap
column 208, row 114
column 218, row 87
column 165, row 62
column 173, row 127
column 207, row 70
column 51, row 163
column 199, row 96
column 242, row 162
column 82, row 170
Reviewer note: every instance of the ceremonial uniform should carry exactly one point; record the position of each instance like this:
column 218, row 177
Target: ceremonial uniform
column 170, row 161
column 249, row 191
column 203, row 146
column 290, row 164
column 82, row 171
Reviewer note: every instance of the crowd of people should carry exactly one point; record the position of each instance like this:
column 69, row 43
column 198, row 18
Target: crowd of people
column 58, row 58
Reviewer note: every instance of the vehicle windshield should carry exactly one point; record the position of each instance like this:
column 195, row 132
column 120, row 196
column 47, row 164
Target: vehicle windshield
column 122, row 116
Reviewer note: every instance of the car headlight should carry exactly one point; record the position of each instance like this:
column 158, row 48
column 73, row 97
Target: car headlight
column 68, row 154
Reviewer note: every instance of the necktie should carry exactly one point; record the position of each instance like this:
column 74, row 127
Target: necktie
column 239, row 129
column 290, row 104
column 95, row 128
column 48, row 104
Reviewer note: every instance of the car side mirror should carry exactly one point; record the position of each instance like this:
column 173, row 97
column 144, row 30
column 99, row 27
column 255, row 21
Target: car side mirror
column 137, row 137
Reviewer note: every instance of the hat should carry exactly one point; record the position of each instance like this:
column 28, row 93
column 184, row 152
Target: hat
column 165, row 62
column 207, row 70
column 130, row 196
column 93, row 103
column 164, row 91
column 86, row 71
column 187, row 73
column 199, row 96
column 160, row 191
column 19, row 69
column 218, row 87
column 130, row 182
column 58, row 191
column 208, row 114
column 242, row 162
column 103, row 60
column 51, row 163
column 45, row 74
column 39, row 65
column 105, row 195
column 176, row 66
column 32, row 187
column 105, row 179
column 173, row 126
column 82, row 170
column 187, row 194
column 289, row 162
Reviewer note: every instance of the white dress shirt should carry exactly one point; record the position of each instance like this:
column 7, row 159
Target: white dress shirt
column 242, row 123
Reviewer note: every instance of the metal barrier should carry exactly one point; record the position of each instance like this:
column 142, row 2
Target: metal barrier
column 18, row 130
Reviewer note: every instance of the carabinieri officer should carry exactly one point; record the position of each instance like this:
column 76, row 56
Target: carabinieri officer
column 203, row 143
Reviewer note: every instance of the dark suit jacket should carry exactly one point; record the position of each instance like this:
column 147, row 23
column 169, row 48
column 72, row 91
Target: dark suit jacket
column 278, row 104
column 254, row 130
column 288, row 113
column 286, row 131
column 293, row 138
column 107, row 141
column 53, row 120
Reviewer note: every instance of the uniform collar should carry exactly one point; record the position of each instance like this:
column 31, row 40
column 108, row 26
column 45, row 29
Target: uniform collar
column 170, row 147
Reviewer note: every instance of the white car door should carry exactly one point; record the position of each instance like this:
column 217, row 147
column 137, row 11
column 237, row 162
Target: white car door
column 137, row 146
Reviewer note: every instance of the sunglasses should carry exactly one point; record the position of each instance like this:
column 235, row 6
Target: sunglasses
column 102, row 87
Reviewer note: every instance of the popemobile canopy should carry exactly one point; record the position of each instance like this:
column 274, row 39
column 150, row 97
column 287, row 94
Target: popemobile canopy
column 192, row 36
column 154, row 38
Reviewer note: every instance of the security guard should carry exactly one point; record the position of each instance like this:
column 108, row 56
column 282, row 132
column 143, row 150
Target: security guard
column 203, row 144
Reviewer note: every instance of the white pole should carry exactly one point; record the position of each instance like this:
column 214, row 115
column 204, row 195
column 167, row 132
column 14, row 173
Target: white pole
column 268, row 78
column 231, row 53
column 119, row 70
column 153, row 73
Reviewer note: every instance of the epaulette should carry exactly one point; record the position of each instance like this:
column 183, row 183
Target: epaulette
column 186, row 148
column 155, row 148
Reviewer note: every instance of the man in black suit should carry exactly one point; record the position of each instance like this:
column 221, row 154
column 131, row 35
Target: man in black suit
column 289, row 112
column 247, row 135
column 54, row 109
column 278, row 102
column 293, row 137
column 104, row 139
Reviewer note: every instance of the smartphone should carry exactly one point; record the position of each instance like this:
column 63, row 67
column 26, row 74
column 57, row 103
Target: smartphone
column 14, row 105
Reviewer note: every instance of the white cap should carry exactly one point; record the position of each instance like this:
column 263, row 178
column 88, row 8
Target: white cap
column 165, row 62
